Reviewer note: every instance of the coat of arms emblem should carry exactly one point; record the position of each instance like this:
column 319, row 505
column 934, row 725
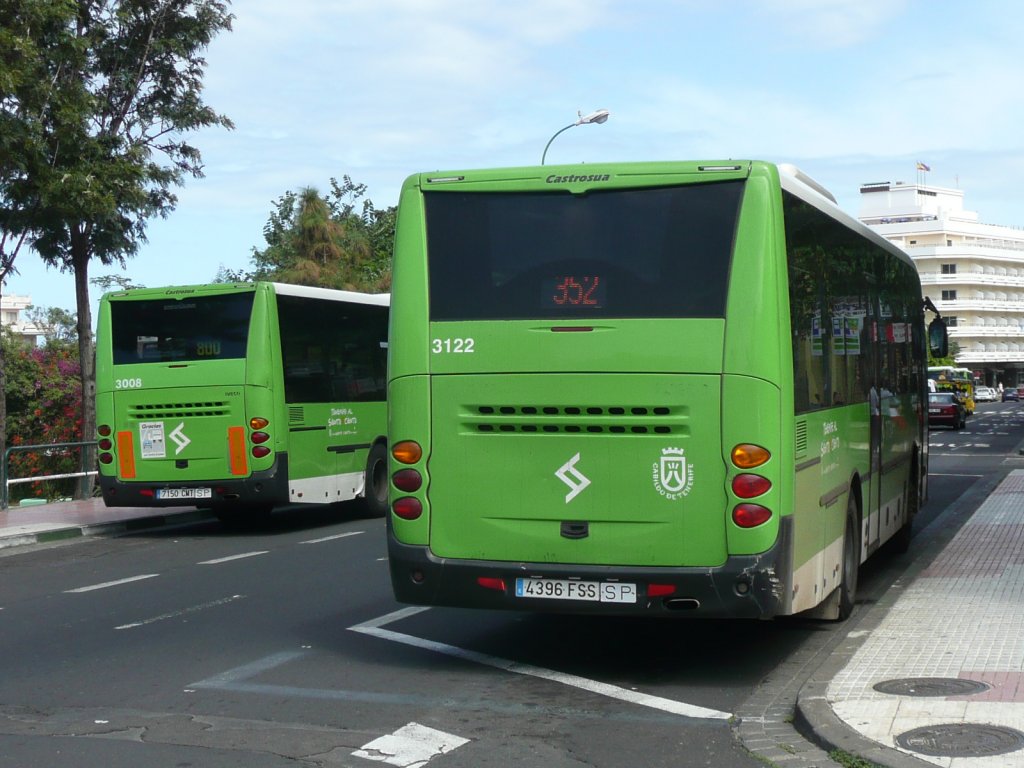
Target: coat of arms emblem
column 673, row 474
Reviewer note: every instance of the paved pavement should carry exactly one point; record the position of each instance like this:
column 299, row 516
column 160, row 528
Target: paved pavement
column 42, row 523
column 932, row 675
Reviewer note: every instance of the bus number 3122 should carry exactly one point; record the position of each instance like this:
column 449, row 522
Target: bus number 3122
column 454, row 346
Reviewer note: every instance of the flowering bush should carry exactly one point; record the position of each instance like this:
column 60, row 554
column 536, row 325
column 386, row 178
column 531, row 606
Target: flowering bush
column 44, row 406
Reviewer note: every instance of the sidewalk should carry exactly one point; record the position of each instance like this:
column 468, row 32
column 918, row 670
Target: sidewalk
column 937, row 677
column 90, row 517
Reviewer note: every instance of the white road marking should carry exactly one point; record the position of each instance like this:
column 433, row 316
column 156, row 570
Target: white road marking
column 411, row 746
column 233, row 557
column 106, row 584
column 374, row 627
column 183, row 612
column 332, row 538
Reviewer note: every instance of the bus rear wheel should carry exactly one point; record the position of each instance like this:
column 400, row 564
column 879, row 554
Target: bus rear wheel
column 374, row 502
column 851, row 560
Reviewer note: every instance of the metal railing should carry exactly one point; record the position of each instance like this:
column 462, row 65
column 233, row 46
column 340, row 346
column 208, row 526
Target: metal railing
column 7, row 482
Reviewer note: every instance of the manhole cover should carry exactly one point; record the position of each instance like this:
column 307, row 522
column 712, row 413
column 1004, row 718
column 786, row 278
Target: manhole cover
column 961, row 740
column 930, row 686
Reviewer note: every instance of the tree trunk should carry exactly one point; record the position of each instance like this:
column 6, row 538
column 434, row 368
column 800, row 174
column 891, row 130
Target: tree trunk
column 86, row 355
column 3, row 414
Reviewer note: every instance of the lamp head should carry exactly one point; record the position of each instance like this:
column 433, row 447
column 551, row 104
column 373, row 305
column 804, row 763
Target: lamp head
column 598, row 117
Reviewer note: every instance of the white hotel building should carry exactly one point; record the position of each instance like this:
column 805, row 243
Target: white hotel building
column 11, row 308
column 973, row 272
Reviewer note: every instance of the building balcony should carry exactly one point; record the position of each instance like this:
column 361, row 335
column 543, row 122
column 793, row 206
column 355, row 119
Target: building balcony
column 971, row 357
column 963, row 330
column 966, row 279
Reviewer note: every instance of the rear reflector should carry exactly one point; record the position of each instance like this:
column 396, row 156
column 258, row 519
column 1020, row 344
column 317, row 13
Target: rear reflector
column 237, row 459
column 488, row 582
column 126, row 455
column 660, row 590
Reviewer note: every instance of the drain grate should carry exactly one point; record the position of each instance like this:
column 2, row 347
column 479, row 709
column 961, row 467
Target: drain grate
column 961, row 740
column 931, row 686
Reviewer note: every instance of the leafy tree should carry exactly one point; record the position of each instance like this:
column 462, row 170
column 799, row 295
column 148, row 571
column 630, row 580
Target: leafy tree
column 59, row 325
column 114, row 282
column 44, row 397
column 32, row 38
column 950, row 359
column 98, row 104
column 322, row 240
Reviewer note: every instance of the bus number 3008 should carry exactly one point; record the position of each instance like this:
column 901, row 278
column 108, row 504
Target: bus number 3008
column 454, row 346
column 128, row 383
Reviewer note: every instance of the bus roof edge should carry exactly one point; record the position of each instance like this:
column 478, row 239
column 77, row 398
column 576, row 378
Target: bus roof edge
column 795, row 173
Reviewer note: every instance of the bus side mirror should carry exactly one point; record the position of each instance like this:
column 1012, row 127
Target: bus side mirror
column 938, row 338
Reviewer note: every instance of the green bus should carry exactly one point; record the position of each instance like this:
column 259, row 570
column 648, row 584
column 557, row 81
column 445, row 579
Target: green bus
column 648, row 388
column 242, row 397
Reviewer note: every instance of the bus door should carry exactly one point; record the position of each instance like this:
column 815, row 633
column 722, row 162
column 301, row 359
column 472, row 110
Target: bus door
column 872, row 494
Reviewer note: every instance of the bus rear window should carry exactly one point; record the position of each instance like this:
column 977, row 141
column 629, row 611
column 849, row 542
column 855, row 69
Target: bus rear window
column 636, row 253
column 180, row 330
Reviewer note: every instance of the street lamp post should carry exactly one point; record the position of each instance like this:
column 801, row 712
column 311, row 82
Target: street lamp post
column 597, row 117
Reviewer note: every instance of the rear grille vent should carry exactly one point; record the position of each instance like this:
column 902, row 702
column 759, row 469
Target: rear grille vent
column 296, row 414
column 177, row 410
column 594, row 420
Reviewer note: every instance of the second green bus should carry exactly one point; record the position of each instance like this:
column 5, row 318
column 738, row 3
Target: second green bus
column 242, row 397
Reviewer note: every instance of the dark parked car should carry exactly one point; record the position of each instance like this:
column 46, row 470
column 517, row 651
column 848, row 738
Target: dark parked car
column 1010, row 394
column 946, row 409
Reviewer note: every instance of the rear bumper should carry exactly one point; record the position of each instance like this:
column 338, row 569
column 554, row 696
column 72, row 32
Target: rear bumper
column 749, row 586
column 266, row 488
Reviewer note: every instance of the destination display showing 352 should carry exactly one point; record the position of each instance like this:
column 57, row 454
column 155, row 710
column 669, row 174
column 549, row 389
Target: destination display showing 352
column 573, row 291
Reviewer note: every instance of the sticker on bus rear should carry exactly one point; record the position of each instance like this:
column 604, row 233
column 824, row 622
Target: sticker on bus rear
column 151, row 440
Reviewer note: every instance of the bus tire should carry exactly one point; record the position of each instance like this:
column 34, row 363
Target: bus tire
column 374, row 502
column 851, row 560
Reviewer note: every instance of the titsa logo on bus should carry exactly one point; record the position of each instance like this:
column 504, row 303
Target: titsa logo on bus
column 673, row 475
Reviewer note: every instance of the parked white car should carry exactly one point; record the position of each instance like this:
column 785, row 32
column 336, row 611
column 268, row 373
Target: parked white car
column 985, row 395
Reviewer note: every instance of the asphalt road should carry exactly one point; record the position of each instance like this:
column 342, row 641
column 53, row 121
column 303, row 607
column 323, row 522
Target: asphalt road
column 282, row 646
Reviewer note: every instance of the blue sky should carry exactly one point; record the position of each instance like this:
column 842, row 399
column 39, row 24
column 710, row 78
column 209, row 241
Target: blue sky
column 851, row 91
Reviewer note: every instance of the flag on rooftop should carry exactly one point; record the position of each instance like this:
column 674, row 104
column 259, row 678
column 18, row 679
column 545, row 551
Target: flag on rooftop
column 922, row 167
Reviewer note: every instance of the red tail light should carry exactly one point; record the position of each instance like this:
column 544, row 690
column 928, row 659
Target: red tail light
column 259, row 437
column 408, row 480
column 407, row 508
column 259, row 451
column 104, row 430
column 750, row 515
column 747, row 486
